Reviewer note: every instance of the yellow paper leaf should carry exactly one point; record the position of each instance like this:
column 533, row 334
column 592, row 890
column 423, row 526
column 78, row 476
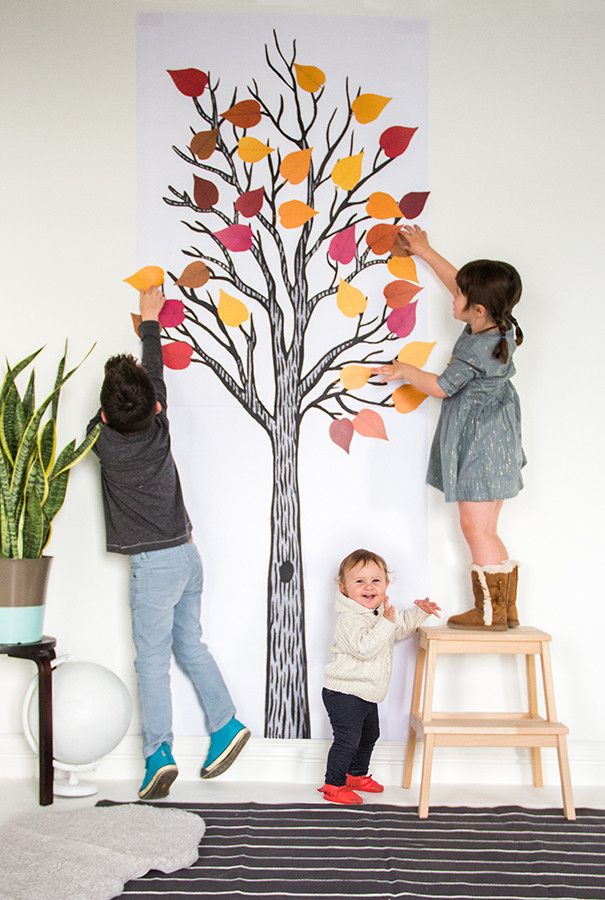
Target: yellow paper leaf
column 407, row 398
column 350, row 301
column 295, row 166
column 347, row 172
column 354, row 377
column 368, row 107
column 382, row 206
column 416, row 353
column 147, row 277
column 231, row 311
column 295, row 213
column 251, row 150
column 309, row 78
column 403, row 267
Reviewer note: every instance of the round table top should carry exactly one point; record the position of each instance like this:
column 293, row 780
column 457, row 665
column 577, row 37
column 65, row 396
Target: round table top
column 29, row 651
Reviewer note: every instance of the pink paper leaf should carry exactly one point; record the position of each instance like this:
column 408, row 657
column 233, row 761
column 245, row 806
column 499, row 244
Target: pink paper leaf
column 341, row 432
column 402, row 321
column 369, row 424
column 172, row 313
column 342, row 246
column 235, row 237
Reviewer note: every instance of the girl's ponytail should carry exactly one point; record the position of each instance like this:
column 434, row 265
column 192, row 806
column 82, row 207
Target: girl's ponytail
column 518, row 332
column 501, row 348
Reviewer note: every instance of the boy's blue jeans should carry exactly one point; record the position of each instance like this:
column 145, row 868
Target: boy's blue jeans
column 165, row 599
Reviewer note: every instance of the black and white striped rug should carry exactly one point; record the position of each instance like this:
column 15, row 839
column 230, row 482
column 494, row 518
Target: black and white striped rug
column 323, row 850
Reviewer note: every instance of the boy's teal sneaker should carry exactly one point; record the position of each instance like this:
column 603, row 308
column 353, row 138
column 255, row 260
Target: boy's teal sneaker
column 160, row 772
column 225, row 746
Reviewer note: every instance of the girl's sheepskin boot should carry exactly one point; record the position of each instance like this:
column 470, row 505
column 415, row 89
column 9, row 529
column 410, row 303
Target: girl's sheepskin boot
column 491, row 592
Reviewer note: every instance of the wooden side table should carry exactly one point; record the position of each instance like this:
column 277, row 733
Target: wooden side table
column 42, row 653
column 485, row 729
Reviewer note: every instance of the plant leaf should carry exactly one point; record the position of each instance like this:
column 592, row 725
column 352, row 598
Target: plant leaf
column 350, row 300
column 231, row 311
column 369, row 424
column 347, row 171
column 368, row 107
column 341, row 431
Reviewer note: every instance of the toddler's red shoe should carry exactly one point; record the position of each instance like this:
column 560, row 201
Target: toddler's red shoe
column 341, row 794
column 364, row 783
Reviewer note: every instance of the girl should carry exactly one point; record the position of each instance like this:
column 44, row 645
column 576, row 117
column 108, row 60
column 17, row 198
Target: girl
column 476, row 456
column 358, row 674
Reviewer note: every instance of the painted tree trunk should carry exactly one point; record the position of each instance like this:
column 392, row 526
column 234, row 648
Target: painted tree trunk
column 286, row 695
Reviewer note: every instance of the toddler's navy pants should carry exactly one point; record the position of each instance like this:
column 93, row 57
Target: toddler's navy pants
column 355, row 725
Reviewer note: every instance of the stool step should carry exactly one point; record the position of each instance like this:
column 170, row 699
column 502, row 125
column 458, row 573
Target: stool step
column 459, row 724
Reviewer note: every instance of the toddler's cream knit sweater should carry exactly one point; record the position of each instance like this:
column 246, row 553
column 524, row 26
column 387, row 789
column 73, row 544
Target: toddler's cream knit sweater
column 362, row 653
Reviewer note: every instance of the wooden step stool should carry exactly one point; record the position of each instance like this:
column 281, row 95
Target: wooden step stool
column 485, row 729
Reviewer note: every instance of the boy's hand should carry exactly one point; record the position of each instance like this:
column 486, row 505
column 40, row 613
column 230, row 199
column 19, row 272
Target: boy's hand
column 152, row 302
column 416, row 238
column 389, row 611
column 428, row 606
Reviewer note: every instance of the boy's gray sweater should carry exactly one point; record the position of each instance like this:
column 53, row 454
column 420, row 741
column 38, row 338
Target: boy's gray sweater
column 142, row 497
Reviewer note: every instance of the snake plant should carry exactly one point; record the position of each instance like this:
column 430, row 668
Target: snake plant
column 33, row 476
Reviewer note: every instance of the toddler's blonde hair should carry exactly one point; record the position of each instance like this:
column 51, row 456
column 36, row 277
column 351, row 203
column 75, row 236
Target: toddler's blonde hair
column 362, row 557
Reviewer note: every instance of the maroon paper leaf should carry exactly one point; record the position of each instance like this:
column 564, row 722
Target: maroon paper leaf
column 413, row 203
column 235, row 237
column 250, row 203
column 395, row 140
column 190, row 82
column 341, row 431
column 342, row 247
column 205, row 193
column 402, row 321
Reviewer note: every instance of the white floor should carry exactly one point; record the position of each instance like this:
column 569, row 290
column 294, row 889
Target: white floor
column 21, row 796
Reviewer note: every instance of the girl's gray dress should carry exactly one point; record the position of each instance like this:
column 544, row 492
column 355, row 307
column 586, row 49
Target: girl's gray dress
column 476, row 452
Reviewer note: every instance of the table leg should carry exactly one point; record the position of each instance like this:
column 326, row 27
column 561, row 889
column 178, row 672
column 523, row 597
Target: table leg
column 45, row 726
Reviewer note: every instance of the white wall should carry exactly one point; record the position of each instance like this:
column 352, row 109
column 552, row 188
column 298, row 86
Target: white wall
column 516, row 143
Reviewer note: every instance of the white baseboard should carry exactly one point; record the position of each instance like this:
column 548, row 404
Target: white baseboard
column 303, row 762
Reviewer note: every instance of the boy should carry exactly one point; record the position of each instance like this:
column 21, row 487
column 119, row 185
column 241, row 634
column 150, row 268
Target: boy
column 145, row 518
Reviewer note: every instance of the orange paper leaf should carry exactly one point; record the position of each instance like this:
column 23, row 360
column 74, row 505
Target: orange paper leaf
column 382, row 206
column 195, row 275
column 381, row 238
column 295, row 213
column 245, row 114
column 399, row 293
column 368, row 107
column 145, row 278
column 251, row 150
column 309, row 78
column 407, row 398
column 369, row 424
column 295, row 166
column 203, row 144
column 403, row 267
column 416, row 353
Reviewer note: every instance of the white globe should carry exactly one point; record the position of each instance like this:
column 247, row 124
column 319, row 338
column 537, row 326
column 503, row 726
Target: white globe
column 91, row 712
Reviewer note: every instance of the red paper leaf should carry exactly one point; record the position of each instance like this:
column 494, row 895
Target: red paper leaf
column 341, row 432
column 402, row 321
column 399, row 293
column 380, row 238
column 250, row 203
column 413, row 203
column 235, row 237
column 190, row 82
column 369, row 424
column 342, row 246
column 205, row 193
column 245, row 114
column 177, row 355
column 195, row 275
column 395, row 140
column 172, row 313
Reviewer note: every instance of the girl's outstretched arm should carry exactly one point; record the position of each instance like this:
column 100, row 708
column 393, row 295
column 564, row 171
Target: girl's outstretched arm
column 419, row 246
column 424, row 381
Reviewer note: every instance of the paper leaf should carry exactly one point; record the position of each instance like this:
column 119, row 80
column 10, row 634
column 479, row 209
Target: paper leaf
column 369, row 424
column 251, row 150
column 203, row 144
column 235, row 237
column 399, row 293
column 195, row 275
column 413, row 203
column 145, row 278
column 190, row 82
column 205, row 193
column 416, row 353
column 231, row 311
column 341, row 431
column 295, row 213
column 245, row 114
column 382, row 206
column 295, row 166
column 136, row 321
column 395, row 140
column 400, row 246
column 403, row 267
column 250, row 203
column 354, row 377
column 309, row 78
column 350, row 301
column 347, row 172
column 402, row 321
column 343, row 247
column 407, row 398
column 368, row 107
column 172, row 313
column 177, row 355
column 380, row 238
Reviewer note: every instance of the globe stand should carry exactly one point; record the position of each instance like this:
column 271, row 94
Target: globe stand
column 73, row 787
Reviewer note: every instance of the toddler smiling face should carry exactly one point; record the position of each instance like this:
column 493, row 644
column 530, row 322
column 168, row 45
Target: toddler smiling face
column 366, row 583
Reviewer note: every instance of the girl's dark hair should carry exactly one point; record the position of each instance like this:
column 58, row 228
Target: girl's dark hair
column 127, row 395
column 496, row 286
column 363, row 557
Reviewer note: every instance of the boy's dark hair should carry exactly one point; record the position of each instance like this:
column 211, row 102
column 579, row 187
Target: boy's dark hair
column 496, row 286
column 127, row 395
column 362, row 557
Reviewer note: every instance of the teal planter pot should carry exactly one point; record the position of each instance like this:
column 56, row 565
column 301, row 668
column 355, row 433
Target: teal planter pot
column 22, row 599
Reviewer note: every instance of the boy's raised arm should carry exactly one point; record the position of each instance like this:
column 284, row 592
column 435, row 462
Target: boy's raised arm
column 149, row 329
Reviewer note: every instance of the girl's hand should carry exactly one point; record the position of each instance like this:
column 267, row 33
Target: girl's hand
column 393, row 372
column 428, row 606
column 389, row 611
column 416, row 238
